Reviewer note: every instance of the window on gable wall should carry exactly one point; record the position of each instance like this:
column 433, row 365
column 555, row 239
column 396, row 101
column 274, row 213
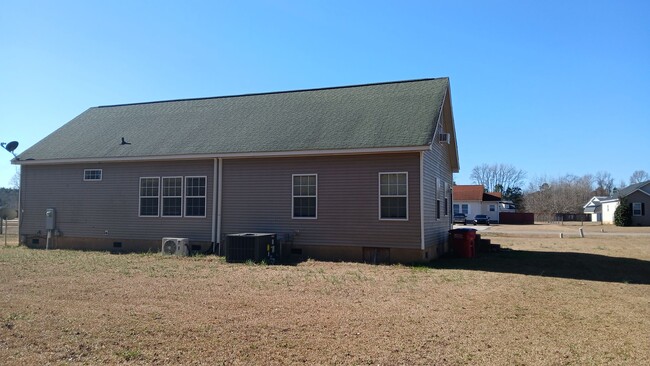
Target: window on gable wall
column 438, row 192
column 446, row 199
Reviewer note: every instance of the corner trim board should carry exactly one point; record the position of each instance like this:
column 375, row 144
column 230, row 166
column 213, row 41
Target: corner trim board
column 422, row 199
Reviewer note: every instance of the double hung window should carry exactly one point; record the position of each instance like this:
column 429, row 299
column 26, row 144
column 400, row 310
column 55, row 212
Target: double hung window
column 172, row 196
column 149, row 196
column 637, row 209
column 393, row 196
column 195, row 197
column 304, row 196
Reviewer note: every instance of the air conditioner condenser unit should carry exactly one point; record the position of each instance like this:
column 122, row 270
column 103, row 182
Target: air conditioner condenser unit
column 176, row 246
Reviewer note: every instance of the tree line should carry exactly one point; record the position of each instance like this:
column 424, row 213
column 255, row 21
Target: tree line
column 547, row 196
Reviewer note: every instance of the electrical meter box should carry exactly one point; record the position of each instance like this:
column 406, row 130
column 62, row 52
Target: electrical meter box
column 50, row 216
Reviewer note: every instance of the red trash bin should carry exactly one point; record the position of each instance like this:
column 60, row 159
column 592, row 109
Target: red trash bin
column 463, row 242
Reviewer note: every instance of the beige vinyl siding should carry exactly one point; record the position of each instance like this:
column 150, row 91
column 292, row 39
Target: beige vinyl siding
column 88, row 209
column 257, row 197
column 436, row 165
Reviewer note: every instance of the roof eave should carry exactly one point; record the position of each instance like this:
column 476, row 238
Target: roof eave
column 266, row 154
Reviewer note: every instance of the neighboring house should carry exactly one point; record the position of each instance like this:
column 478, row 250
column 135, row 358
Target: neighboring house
column 594, row 208
column 472, row 200
column 637, row 196
column 338, row 173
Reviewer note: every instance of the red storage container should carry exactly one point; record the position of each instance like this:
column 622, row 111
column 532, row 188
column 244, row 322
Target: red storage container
column 463, row 242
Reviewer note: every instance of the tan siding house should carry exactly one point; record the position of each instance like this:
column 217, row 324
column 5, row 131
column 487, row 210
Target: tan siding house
column 337, row 173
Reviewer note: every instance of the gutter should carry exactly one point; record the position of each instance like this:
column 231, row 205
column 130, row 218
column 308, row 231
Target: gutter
column 240, row 155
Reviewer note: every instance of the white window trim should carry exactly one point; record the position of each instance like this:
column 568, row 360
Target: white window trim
column 446, row 200
column 437, row 211
column 162, row 196
column 140, row 197
column 101, row 175
column 379, row 196
column 640, row 209
column 492, row 208
column 293, row 217
column 461, row 208
column 185, row 196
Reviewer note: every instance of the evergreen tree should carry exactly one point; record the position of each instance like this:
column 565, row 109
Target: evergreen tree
column 623, row 214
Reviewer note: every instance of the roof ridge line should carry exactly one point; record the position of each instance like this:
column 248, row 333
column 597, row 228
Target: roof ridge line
column 271, row 93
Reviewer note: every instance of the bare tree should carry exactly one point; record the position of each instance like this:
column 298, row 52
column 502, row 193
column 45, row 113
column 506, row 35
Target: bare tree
column 568, row 194
column 496, row 176
column 639, row 176
column 604, row 183
column 14, row 182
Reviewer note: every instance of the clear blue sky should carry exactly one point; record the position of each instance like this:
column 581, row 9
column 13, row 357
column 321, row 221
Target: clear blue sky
column 551, row 87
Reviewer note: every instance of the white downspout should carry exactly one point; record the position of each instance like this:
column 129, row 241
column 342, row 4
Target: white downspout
column 214, row 204
column 219, row 196
column 422, row 198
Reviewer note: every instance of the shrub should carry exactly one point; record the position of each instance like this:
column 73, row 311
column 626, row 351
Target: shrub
column 623, row 214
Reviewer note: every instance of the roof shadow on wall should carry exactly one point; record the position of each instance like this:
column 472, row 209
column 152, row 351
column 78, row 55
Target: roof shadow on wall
column 579, row 266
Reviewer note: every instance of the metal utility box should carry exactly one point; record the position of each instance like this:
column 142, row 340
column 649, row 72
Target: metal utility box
column 254, row 247
column 50, row 219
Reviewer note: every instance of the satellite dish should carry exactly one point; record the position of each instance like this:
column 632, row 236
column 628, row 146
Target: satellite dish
column 11, row 146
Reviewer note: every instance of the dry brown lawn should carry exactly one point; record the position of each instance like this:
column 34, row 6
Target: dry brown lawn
column 546, row 301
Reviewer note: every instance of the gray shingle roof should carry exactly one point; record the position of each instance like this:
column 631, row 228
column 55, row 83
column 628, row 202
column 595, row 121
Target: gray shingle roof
column 624, row 192
column 386, row 115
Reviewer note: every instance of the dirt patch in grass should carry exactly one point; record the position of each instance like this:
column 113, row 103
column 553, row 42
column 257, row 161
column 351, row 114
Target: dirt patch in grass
column 545, row 301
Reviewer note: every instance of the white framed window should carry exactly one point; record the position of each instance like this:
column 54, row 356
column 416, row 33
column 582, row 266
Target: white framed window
column 172, row 196
column 92, row 175
column 492, row 208
column 195, row 196
column 438, row 194
column 393, row 196
column 637, row 209
column 464, row 208
column 149, row 197
column 446, row 199
column 304, row 196
column 456, row 208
